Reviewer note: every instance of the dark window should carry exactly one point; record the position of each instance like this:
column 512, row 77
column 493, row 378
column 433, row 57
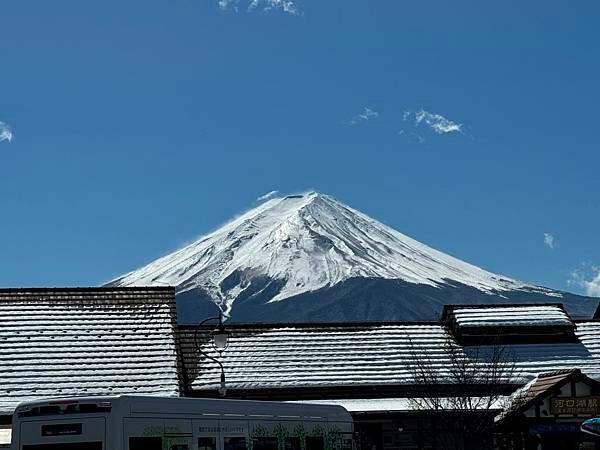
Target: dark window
column 314, row 443
column 145, row 443
column 292, row 443
column 265, row 443
column 66, row 446
column 234, row 443
column 207, row 443
column 179, row 447
column 70, row 409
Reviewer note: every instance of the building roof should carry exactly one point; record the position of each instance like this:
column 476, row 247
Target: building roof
column 370, row 354
column 401, row 404
column 507, row 315
column 543, row 384
column 86, row 341
column 509, row 324
column 313, row 355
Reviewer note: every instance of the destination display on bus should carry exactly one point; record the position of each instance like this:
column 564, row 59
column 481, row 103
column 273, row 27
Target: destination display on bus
column 63, row 429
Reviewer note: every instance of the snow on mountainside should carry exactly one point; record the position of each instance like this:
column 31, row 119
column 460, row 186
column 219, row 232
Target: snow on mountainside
column 305, row 244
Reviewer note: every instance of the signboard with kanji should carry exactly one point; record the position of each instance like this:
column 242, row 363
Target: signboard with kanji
column 575, row 405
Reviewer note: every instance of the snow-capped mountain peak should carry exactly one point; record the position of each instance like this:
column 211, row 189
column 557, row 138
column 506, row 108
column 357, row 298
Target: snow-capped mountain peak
column 305, row 243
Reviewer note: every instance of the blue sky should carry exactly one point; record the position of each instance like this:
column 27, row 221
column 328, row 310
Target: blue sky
column 129, row 128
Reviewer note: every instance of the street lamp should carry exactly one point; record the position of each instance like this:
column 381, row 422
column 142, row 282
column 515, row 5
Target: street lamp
column 220, row 336
column 220, row 342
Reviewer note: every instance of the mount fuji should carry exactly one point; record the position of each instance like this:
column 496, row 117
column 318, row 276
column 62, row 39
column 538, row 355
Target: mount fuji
column 310, row 258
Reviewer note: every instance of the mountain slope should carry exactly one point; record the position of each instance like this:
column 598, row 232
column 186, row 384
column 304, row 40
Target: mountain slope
column 303, row 257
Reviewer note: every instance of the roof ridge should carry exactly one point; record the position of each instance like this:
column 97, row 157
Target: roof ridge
column 554, row 373
column 20, row 290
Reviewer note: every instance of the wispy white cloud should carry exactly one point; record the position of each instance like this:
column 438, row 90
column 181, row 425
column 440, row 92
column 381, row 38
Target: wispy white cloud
column 549, row 240
column 411, row 137
column 586, row 277
column 437, row 122
column 286, row 6
column 5, row 132
column 267, row 196
column 367, row 114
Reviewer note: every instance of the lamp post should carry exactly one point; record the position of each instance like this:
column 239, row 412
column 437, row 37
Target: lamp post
column 220, row 341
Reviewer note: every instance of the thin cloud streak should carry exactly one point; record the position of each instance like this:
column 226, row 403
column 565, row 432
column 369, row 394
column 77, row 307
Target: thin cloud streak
column 5, row 132
column 286, row 6
column 267, row 196
column 366, row 115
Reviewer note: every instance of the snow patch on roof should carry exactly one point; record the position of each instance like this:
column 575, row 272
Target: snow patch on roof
column 529, row 315
column 319, row 356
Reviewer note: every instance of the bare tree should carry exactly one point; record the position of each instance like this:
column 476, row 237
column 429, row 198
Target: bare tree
column 465, row 393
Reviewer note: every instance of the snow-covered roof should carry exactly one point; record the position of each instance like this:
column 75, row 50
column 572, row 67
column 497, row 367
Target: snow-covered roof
column 533, row 359
column 312, row 356
column 393, row 404
column 508, row 316
column 337, row 355
column 86, row 341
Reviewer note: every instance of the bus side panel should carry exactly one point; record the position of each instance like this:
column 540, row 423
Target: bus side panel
column 178, row 434
column 141, row 433
column 206, row 434
column 234, row 434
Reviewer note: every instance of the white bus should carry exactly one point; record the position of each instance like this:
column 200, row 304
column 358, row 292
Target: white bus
column 158, row 423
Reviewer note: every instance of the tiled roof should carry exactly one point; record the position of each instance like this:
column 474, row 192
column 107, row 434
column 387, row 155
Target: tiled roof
column 331, row 355
column 402, row 404
column 508, row 316
column 86, row 341
column 314, row 356
column 541, row 385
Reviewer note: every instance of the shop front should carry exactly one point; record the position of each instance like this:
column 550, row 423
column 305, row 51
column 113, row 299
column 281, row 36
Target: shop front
column 547, row 413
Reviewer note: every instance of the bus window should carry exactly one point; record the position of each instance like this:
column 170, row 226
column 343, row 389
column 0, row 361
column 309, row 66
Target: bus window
column 265, row 443
column 234, row 443
column 314, row 443
column 66, row 446
column 207, row 443
column 145, row 443
column 292, row 443
column 179, row 447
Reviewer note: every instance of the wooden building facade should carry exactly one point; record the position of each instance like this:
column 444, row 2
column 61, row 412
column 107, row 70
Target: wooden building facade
column 99, row 341
column 366, row 367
